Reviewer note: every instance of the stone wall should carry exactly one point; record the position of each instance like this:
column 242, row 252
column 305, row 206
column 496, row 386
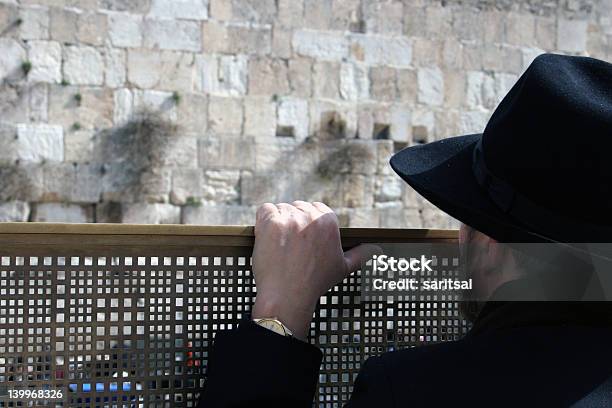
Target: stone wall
column 196, row 111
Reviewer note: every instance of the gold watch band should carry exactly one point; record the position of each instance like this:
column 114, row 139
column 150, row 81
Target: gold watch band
column 272, row 323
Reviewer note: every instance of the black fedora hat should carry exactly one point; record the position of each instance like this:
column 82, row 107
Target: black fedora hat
column 542, row 169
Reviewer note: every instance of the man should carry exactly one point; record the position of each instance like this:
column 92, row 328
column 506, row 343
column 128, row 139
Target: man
column 538, row 173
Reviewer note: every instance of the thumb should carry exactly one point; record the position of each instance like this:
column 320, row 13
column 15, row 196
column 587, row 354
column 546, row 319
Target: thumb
column 354, row 257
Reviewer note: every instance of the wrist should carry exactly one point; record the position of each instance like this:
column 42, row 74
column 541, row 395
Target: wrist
column 295, row 318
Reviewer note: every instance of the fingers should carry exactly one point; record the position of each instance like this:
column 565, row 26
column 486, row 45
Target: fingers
column 354, row 257
column 265, row 211
column 322, row 207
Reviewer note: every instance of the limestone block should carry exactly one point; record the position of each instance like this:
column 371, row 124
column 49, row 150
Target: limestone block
column 384, row 86
column 326, row 78
column 12, row 55
column 56, row 212
column 364, row 218
column 186, row 186
column 346, row 15
column 300, row 77
column 184, row 9
column 123, row 105
column 161, row 70
column 415, row 21
column 260, row 117
column 293, row 112
column 92, row 28
column 467, row 24
column 143, row 213
column 8, row 144
column 46, row 59
column 193, row 112
column 454, row 88
column 290, row 13
column 87, row 187
column 40, row 142
column 520, row 28
column 384, row 151
column 545, row 33
column 157, row 102
column 401, row 118
column 473, row 121
column 384, row 18
column 354, row 82
column 83, row 65
column 426, row 51
column 223, row 76
column 215, row 37
column 317, row 14
column 225, row 115
column 371, row 49
column 79, row 146
column 357, row 191
column 430, row 86
column 125, row 30
column 35, row 24
column 220, row 10
column 434, row 218
column 407, row 85
column 268, row 76
column 132, row 6
column 281, row 43
column 23, row 182
column 219, row 215
column 63, row 25
column 14, row 211
column 571, row 35
column 221, row 186
column 226, row 152
column 249, row 40
column 388, row 188
column 473, row 94
column 94, row 110
column 178, row 35
column 115, row 67
column 260, row 11
column 321, row 45
column 438, row 22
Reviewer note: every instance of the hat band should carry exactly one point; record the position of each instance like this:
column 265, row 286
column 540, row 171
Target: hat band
column 540, row 220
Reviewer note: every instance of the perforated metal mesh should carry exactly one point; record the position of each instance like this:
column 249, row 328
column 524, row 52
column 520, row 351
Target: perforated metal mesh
column 129, row 323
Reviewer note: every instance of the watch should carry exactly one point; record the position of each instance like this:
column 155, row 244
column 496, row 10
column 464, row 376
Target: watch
column 272, row 323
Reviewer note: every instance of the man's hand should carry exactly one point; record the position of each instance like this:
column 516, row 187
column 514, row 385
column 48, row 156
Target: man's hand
column 297, row 258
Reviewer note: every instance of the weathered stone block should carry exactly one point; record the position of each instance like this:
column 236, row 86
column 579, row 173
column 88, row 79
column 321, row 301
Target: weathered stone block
column 426, row 52
column 79, row 146
column 125, row 30
column 23, row 182
column 132, row 6
column 185, row 9
column 223, row 76
column 115, row 67
column 381, row 50
column 63, row 25
column 215, row 37
column 91, row 109
column 35, row 24
column 545, row 33
column 12, row 55
column 143, row 213
column 281, row 43
column 162, row 70
column 14, row 211
column 321, row 45
column 300, row 77
column 326, row 78
column 293, row 112
column 354, row 82
column 37, row 143
column 83, row 65
column 178, row 35
column 260, row 11
column 364, row 218
column 407, row 85
column 56, row 212
column 46, row 59
column 260, row 116
column 92, row 28
column 226, row 151
column 384, row 86
column 520, row 28
column 268, row 76
column 571, row 35
column 249, row 40
column 187, row 186
column 225, row 115
column 430, row 86
column 473, row 121
column 158, row 103
column 193, row 112
column 221, row 186
column 219, row 215
column 317, row 14
column 384, row 18
column 290, row 13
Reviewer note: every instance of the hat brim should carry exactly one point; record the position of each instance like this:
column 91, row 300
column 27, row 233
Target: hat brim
column 442, row 173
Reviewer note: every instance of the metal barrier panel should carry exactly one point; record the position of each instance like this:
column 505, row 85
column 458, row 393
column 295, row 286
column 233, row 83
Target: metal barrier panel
column 124, row 315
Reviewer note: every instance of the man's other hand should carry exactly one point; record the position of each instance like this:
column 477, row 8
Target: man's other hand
column 297, row 258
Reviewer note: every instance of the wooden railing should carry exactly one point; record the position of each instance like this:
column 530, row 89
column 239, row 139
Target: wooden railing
column 124, row 315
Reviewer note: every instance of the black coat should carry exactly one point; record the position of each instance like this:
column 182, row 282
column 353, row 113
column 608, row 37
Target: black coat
column 519, row 354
